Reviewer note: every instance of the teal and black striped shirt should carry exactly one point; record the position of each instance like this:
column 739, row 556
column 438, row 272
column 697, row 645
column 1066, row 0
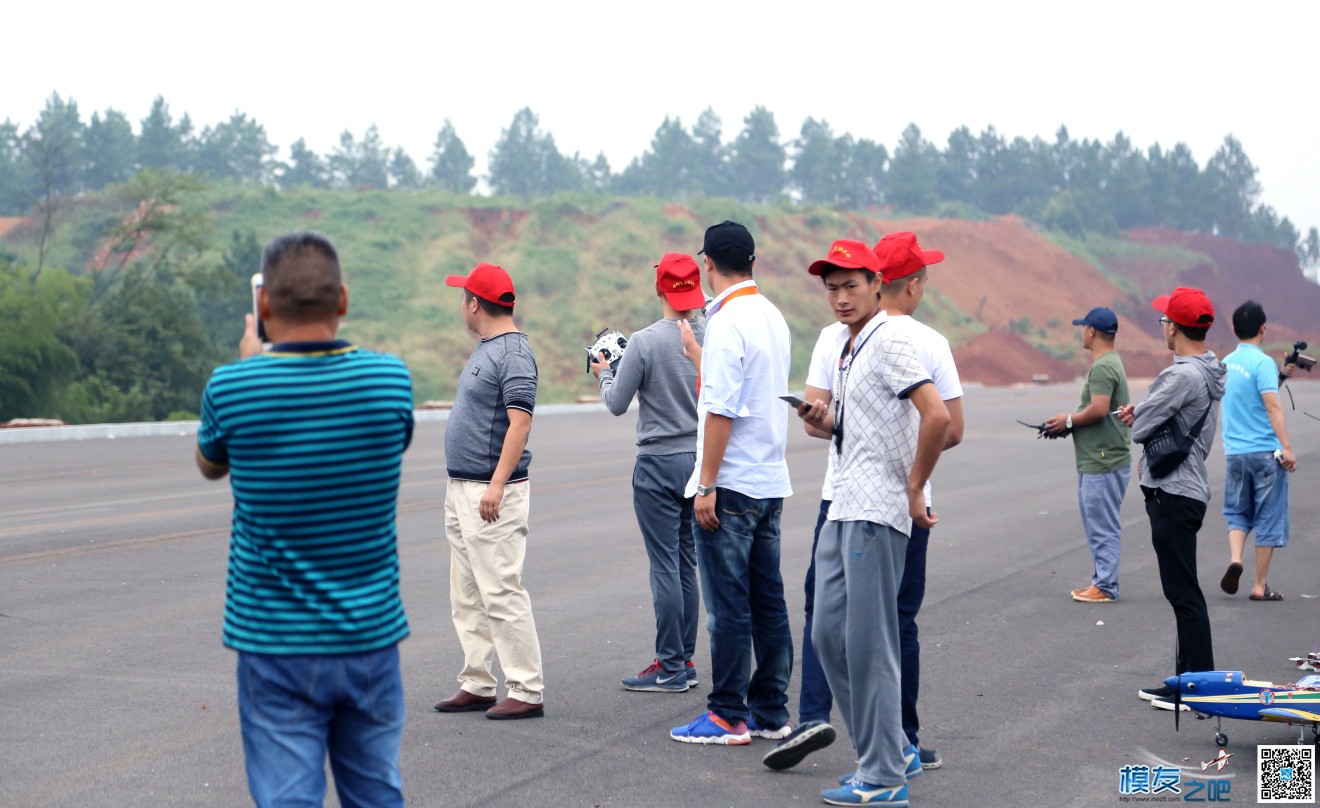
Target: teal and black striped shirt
column 313, row 434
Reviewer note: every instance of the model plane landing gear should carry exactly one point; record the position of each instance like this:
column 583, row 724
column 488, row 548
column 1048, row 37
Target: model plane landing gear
column 1221, row 739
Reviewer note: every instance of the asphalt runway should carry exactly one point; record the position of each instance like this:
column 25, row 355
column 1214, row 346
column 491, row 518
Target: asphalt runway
column 115, row 690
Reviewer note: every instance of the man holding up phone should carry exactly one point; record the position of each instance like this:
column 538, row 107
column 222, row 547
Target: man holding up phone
column 312, row 596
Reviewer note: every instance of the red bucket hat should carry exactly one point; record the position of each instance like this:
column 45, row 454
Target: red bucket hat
column 487, row 282
column 847, row 255
column 900, row 255
column 1187, row 307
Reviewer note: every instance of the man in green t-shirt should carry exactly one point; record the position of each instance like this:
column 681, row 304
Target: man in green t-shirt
column 1104, row 459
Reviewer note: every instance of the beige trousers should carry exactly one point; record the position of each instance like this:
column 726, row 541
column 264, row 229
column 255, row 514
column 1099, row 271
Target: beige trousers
column 492, row 612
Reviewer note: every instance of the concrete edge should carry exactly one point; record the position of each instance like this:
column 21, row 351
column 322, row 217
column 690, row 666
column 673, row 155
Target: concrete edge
column 173, row 429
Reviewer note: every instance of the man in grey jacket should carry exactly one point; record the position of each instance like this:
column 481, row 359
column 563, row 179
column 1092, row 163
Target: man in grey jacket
column 654, row 369
column 1190, row 390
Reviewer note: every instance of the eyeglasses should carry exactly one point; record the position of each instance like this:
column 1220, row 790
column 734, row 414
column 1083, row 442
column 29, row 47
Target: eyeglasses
column 1166, row 320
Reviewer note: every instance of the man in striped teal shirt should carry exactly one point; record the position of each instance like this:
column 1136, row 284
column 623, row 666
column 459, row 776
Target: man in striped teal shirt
column 311, row 434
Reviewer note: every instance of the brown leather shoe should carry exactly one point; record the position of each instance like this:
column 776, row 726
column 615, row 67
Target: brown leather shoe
column 464, row 702
column 1091, row 594
column 512, row 709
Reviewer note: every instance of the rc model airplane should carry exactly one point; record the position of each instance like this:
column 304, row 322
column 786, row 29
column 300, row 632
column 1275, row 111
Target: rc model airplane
column 1225, row 694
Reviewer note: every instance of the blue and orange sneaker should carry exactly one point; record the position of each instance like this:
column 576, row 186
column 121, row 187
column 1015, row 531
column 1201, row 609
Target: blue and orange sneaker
column 710, row 728
column 855, row 792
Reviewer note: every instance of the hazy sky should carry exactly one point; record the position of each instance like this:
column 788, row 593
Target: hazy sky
column 602, row 76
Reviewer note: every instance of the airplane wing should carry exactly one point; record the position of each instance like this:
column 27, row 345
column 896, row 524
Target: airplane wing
column 1285, row 714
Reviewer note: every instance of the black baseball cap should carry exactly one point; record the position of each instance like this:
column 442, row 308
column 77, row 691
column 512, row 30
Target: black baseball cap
column 728, row 240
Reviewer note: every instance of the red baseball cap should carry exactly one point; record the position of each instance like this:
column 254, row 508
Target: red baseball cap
column 847, row 255
column 900, row 255
column 679, row 280
column 1187, row 307
column 487, row 282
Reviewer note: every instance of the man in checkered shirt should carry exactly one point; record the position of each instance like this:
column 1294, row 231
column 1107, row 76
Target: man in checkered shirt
column 889, row 425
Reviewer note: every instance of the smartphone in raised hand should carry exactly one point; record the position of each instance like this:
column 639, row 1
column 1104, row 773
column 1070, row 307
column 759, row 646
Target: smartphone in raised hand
column 256, row 310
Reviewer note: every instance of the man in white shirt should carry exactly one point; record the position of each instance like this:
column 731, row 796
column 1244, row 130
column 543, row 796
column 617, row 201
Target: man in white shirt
column 739, row 483
column 889, row 426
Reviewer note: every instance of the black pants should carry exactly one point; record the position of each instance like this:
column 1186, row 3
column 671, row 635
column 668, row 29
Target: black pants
column 1174, row 521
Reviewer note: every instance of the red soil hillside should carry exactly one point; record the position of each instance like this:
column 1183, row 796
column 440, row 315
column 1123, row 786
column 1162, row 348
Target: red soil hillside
column 1235, row 272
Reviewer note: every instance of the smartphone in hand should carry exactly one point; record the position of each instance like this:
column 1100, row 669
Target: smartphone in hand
column 256, row 310
column 793, row 401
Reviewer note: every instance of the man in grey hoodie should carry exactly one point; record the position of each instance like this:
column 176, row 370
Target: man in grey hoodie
column 654, row 369
column 1190, row 390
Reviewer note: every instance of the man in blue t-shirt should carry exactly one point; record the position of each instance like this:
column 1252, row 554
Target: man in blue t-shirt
column 1258, row 452
column 311, row 435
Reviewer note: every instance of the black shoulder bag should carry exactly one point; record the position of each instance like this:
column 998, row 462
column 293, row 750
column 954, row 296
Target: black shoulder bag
column 1168, row 446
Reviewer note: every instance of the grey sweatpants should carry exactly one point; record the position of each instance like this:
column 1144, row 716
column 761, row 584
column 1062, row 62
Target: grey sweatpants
column 859, row 566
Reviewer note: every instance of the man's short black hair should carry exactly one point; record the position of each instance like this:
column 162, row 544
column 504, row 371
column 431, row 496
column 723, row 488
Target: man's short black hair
column 733, row 262
column 830, row 269
column 491, row 309
column 1193, row 334
column 300, row 273
column 1248, row 319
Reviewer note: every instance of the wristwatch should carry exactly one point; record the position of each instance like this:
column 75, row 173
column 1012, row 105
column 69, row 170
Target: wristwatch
column 704, row 490
column 1068, row 423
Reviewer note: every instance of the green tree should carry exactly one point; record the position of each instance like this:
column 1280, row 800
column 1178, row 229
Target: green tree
column 816, row 163
column 913, row 172
column 1308, row 252
column 110, row 150
column 53, row 147
column 403, row 171
column 863, row 173
column 237, row 150
column 360, row 164
column 957, row 175
column 1233, row 186
column 451, row 165
column 35, row 364
column 304, row 169
column 756, row 159
column 162, row 145
column 665, row 169
column 14, row 197
column 710, row 157
column 526, row 162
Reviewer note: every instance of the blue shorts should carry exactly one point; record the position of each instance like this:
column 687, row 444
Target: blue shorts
column 1256, row 496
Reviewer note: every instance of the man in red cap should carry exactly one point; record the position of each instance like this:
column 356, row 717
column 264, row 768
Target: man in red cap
column 654, row 370
column 486, row 505
column 889, row 426
column 1189, row 391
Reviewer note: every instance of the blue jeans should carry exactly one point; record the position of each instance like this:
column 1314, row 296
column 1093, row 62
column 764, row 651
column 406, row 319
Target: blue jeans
column 911, row 592
column 1101, row 499
column 293, row 709
column 745, row 610
column 815, row 701
column 1256, row 496
column 664, row 516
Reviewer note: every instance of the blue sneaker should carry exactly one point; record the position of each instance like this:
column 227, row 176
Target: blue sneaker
column 656, row 679
column 693, row 681
column 755, row 729
column 912, row 757
column 855, row 792
column 710, row 728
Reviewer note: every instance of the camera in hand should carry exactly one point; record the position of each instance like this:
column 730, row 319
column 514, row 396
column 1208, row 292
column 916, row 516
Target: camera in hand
column 1301, row 360
column 609, row 343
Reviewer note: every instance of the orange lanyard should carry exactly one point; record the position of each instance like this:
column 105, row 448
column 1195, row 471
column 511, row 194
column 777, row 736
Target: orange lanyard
column 744, row 292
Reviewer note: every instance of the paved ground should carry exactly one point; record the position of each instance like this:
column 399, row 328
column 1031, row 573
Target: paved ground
column 115, row 690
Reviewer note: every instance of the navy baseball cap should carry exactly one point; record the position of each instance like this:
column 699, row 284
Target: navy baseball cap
column 1101, row 319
